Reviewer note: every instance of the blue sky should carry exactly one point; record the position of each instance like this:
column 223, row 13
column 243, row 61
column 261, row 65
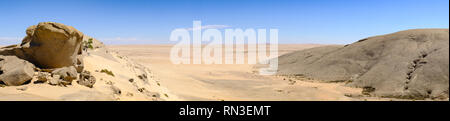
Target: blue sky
column 151, row 21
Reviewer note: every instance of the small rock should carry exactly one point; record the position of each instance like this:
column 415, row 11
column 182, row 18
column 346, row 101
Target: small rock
column 86, row 79
column 109, row 82
column 154, row 94
column 68, row 74
column 116, row 90
column 367, row 90
column 143, row 77
column 129, row 94
column 166, row 95
column 142, row 89
column 80, row 64
column 55, row 80
column 43, row 77
column 22, row 88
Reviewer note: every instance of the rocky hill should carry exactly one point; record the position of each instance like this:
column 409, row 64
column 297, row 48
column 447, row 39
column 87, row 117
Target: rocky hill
column 58, row 62
column 412, row 64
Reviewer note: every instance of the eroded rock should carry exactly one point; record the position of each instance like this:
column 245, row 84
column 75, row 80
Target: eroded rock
column 67, row 74
column 15, row 71
column 55, row 80
column 86, row 79
column 53, row 45
column 49, row 45
column 43, row 77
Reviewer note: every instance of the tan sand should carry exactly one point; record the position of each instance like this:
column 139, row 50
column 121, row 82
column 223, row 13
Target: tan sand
column 180, row 82
column 231, row 82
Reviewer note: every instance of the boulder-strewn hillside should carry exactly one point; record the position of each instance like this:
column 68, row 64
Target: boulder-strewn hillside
column 58, row 62
column 411, row 64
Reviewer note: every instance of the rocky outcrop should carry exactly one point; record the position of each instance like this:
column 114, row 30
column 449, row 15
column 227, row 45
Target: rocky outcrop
column 15, row 71
column 60, row 57
column 412, row 64
column 53, row 45
column 49, row 45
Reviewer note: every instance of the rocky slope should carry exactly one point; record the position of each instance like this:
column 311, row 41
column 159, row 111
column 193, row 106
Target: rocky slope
column 58, row 62
column 412, row 64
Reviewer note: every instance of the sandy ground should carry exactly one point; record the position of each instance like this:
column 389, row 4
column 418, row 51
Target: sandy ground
column 192, row 82
column 232, row 82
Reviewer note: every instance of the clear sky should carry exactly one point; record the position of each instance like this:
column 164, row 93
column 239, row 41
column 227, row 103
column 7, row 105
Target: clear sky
column 151, row 21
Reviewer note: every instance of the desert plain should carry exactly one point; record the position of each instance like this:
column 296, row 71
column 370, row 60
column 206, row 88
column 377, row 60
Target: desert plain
column 234, row 82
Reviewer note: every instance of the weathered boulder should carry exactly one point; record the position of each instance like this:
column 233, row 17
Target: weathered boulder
column 86, row 79
column 15, row 71
column 49, row 45
column 411, row 64
column 57, row 52
column 67, row 74
column 53, row 45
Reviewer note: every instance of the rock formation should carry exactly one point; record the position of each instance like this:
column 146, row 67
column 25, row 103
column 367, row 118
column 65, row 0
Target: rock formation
column 412, row 64
column 51, row 47
column 56, row 54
